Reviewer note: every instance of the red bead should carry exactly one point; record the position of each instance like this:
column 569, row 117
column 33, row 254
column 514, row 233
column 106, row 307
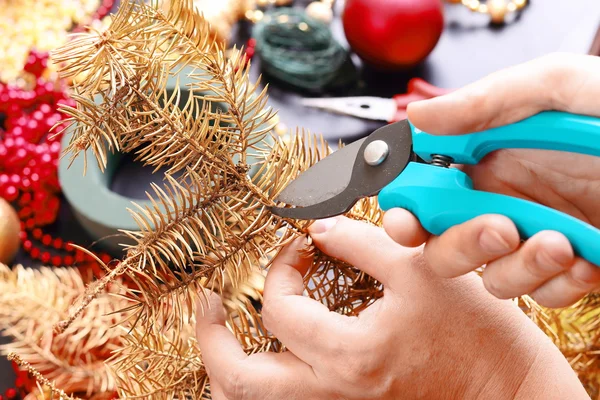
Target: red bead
column 25, row 212
column 57, row 243
column 79, row 256
column 250, row 52
column 46, row 240
column 251, row 42
column 22, row 233
column 11, row 393
column 45, row 108
column 105, row 258
column 30, row 223
column 38, row 196
column 11, row 193
column 35, row 252
column 45, row 257
column 38, row 115
column 27, row 245
column 57, row 261
column 13, row 110
column 37, row 233
column 68, row 260
column 25, row 199
column 26, row 184
column 53, row 203
column 20, row 142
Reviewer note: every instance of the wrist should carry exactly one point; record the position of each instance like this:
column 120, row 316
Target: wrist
column 522, row 363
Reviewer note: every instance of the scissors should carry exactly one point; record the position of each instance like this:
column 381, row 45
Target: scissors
column 378, row 108
column 411, row 169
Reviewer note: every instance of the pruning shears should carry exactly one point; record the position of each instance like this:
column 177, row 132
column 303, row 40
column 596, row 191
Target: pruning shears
column 411, row 169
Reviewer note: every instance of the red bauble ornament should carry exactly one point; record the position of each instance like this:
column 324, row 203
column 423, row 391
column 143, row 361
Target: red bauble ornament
column 393, row 34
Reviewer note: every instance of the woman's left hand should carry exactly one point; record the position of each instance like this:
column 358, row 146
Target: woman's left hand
column 428, row 337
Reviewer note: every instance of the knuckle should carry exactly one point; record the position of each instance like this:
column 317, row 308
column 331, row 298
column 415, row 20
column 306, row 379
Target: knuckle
column 542, row 298
column 363, row 366
column 234, row 387
column 494, row 286
column 540, row 271
column 556, row 74
column 268, row 311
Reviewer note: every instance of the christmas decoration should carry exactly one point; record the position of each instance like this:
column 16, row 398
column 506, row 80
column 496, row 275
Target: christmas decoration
column 211, row 225
column 496, row 9
column 29, row 157
column 298, row 49
column 42, row 25
column 393, row 35
column 9, row 232
column 31, row 301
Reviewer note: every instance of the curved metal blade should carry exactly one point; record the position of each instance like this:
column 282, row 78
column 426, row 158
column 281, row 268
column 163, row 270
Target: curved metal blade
column 365, row 180
column 328, row 208
column 324, row 180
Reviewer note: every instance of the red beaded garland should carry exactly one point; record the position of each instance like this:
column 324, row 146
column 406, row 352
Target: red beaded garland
column 29, row 156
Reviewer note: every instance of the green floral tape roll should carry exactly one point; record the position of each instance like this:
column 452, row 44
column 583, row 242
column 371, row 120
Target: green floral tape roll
column 99, row 210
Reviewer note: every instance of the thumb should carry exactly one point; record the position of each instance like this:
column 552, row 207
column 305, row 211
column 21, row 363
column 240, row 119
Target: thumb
column 507, row 96
column 362, row 245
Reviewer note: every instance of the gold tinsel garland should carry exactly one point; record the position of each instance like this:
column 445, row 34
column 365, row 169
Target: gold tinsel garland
column 212, row 228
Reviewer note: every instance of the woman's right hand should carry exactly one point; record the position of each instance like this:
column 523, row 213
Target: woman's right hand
column 545, row 266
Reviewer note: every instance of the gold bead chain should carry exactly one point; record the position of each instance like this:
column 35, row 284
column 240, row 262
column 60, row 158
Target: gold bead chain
column 497, row 9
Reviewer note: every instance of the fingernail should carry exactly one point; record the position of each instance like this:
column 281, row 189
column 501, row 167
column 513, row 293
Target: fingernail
column 491, row 241
column 322, row 225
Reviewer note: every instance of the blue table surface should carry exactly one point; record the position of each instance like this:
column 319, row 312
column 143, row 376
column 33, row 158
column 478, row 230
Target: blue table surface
column 468, row 49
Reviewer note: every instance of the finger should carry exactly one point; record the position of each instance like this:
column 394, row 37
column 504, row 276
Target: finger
column 566, row 82
column 468, row 246
column 542, row 257
column 221, row 351
column 364, row 246
column 404, row 228
column 301, row 323
column 570, row 286
column 262, row 376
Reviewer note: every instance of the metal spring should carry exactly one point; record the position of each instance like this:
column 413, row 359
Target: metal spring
column 441, row 161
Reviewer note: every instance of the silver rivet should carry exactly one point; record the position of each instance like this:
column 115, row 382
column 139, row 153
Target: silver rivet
column 376, row 152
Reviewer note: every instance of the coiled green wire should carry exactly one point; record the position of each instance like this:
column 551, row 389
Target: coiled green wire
column 298, row 49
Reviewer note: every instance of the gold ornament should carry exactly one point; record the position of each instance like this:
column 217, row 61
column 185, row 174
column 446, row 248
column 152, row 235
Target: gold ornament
column 9, row 232
column 320, row 10
column 496, row 9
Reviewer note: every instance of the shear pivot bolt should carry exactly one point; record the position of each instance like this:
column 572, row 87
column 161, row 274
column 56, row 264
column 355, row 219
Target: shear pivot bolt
column 376, row 152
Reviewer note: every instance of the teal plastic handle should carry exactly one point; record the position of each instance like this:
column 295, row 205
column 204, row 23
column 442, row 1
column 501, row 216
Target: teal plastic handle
column 548, row 130
column 443, row 197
